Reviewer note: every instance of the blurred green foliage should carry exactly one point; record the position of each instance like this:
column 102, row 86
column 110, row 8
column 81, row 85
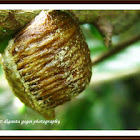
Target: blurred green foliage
column 4, row 43
column 113, row 105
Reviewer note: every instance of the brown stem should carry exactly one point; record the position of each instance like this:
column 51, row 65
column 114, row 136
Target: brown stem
column 12, row 21
column 115, row 50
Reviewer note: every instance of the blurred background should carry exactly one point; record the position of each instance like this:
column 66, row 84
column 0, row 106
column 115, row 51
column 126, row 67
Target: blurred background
column 111, row 101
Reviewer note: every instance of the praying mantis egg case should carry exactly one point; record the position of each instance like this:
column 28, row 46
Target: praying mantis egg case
column 48, row 62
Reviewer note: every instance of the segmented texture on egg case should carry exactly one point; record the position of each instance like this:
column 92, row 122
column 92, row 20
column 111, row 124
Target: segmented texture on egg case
column 48, row 62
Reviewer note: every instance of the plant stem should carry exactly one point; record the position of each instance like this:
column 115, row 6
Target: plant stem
column 115, row 50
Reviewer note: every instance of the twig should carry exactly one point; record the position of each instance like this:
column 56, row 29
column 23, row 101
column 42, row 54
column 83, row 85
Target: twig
column 115, row 50
column 12, row 21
